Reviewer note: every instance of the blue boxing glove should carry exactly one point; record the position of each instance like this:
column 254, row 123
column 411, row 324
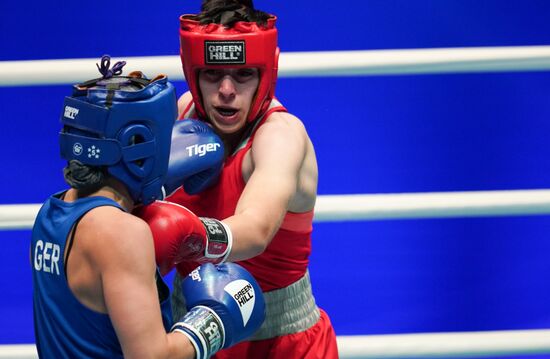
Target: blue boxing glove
column 225, row 304
column 196, row 157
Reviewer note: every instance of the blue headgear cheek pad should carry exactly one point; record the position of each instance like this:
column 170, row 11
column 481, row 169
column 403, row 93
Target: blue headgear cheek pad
column 128, row 132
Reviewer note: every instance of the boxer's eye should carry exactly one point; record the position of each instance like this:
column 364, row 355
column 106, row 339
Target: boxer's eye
column 212, row 75
column 244, row 75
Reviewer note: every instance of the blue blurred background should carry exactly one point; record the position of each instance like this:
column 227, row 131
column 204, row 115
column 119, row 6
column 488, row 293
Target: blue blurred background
column 373, row 134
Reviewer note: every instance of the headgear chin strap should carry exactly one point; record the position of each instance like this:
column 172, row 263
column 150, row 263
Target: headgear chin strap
column 124, row 124
column 244, row 45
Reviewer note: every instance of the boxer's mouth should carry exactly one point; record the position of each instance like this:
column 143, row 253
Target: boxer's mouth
column 226, row 111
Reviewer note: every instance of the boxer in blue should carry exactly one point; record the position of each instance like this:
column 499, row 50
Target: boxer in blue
column 97, row 288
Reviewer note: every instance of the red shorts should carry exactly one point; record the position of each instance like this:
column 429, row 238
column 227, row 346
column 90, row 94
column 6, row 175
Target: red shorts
column 318, row 342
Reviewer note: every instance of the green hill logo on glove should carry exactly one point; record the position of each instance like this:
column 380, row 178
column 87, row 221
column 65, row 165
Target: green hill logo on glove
column 243, row 293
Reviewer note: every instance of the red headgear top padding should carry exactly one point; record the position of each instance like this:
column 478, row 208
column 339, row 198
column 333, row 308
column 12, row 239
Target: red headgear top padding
column 244, row 45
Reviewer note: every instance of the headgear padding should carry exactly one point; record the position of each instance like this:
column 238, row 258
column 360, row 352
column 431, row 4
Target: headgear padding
column 244, row 45
column 124, row 124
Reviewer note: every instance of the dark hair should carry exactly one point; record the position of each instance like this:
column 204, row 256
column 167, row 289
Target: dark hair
column 85, row 179
column 228, row 12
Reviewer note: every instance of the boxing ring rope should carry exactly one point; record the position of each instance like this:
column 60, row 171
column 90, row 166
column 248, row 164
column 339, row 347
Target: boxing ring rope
column 434, row 345
column 355, row 207
column 295, row 64
column 360, row 207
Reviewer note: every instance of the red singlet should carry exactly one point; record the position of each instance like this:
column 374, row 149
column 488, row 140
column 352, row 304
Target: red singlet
column 284, row 261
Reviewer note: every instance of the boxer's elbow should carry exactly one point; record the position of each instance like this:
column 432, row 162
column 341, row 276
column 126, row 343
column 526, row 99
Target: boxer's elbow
column 254, row 241
column 259, row 240
column 252, row 234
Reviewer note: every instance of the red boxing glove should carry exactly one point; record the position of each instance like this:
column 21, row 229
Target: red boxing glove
column 180, row 235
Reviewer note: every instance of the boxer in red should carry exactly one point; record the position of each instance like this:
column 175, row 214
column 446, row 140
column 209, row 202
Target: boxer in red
column 253, row 205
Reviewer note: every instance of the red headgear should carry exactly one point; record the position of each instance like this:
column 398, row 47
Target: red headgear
column 244, row 45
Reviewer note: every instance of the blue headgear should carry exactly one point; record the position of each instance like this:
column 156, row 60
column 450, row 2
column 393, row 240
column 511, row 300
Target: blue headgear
column 123, row 123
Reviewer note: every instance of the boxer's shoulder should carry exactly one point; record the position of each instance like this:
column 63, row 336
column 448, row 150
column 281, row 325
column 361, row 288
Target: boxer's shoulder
column 280, row 127
column 107, row 229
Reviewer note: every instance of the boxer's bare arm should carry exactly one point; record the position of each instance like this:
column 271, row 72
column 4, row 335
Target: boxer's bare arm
column 281, row 172
column 120, row 247
column 273, row 175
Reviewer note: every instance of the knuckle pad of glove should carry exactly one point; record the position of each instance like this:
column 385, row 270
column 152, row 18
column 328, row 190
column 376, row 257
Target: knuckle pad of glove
column 177, row 233
column 196, row 155
column 191, row 126
column 232, row 292
column 155, row 216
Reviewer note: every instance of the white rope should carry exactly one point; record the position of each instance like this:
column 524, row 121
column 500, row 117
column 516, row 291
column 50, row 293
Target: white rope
column 431, row 205
column 293, row 64
column 18, row 351
column 18, row 216
column 447, row 345
column 359, row 207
